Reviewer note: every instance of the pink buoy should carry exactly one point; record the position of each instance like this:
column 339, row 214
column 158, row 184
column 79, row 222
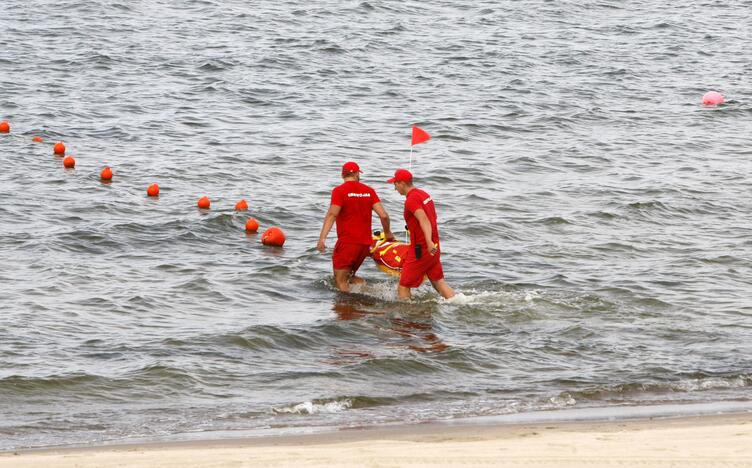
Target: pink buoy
column 712, row 98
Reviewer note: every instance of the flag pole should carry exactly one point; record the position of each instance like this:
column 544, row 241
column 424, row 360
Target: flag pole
column 407, row 233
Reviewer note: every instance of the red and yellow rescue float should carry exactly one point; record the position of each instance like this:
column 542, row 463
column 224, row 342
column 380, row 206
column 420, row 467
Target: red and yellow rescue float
column 388, row 255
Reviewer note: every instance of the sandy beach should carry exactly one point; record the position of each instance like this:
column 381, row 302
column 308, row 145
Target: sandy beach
column 706, row 441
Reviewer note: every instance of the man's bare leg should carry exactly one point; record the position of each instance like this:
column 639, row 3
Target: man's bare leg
column 403, row 292
column 443, row 288
column 357, row 280
column 342, row 280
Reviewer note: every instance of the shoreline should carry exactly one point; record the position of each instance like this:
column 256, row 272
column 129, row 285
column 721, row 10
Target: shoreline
column 698, row 440
column 596, row 414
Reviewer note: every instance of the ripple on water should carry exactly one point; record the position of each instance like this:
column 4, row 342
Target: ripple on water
column 597, row 239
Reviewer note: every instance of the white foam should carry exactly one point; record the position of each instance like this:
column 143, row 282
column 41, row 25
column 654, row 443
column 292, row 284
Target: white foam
column 562, row 401
column 385, row 290
column 708, row 383
column 309, row 407
column 492, row 298
column 530, row 296
column 458, row 299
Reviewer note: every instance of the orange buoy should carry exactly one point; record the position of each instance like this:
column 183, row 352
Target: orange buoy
column 204, row 203
column 4, row 127
column 242, row 205
column 273, row 236
column 69, row 162
column 106, row 173
column 251, row 225
column 59, row 148
column 37, row 139
column 153, row 190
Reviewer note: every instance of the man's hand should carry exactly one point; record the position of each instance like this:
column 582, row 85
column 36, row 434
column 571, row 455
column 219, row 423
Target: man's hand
column 321, row 246
column 389, row 237
column 432, row 248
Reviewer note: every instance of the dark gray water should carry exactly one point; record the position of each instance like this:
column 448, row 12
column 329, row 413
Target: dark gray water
column 595, row 216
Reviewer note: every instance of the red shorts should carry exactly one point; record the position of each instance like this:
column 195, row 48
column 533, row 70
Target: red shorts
column 348, row 256
column 414, row 269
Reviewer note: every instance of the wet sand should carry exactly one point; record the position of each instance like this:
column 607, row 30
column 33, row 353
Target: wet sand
column 703, row 441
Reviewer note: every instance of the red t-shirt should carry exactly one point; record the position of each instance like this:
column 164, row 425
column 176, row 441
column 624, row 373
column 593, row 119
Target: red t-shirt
column 417, row 198
column 354, row 219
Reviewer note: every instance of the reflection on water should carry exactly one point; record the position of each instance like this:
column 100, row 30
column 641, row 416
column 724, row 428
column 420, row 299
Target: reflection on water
column 348, row 311
column 415, row 331
column 420, row 332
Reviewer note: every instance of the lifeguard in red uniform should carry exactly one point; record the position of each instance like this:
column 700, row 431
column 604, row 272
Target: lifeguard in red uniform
column 424, row 255
column 351, row 205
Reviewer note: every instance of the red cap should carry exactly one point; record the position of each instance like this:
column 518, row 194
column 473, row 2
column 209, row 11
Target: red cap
column 401, row 175
column 349, row 167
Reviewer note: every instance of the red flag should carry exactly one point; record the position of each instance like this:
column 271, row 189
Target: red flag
column 419, row 136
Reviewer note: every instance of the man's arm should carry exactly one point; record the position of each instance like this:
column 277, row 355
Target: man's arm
column 384, row 217
column 425, row 226
column 331, row 215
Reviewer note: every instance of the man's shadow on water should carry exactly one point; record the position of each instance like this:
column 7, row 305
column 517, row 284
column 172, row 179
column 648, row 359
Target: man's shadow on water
column 412, row 323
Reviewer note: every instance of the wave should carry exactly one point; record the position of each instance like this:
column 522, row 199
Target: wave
column 161, row 381
column 315, row 407
column 635, row 391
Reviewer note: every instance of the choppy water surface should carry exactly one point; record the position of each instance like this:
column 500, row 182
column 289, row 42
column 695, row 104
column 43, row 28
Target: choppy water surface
column 595, row 216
